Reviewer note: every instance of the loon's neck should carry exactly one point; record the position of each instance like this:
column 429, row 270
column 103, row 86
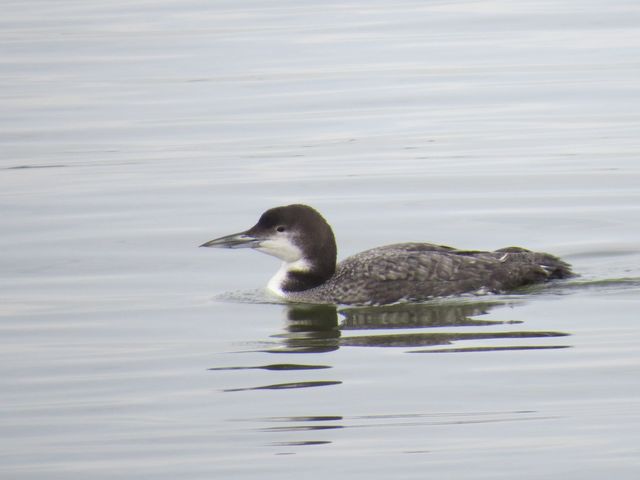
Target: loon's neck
column 299, row 276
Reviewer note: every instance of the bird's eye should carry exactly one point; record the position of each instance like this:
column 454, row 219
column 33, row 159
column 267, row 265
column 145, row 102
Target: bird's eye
column 280, row 229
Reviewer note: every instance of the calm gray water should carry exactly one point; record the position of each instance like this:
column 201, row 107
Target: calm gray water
column 130, row 133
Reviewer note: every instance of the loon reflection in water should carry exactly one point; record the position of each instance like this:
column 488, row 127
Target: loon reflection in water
column 419, row 327
column 317, row 328
column 304, row 241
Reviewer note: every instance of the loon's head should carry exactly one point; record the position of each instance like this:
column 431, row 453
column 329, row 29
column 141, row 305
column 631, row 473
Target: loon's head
column 296, row 234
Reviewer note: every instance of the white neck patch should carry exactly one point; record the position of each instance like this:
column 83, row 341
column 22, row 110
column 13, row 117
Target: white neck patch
column 278, row 280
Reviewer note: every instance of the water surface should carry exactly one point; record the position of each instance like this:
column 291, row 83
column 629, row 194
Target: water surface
column 130, row 134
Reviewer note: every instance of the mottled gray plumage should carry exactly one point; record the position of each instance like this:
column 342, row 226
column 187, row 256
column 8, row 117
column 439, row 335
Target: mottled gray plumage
column 420, row 271
column 382, row 275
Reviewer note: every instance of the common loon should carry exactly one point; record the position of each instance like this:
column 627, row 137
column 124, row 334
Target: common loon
column 303, row 240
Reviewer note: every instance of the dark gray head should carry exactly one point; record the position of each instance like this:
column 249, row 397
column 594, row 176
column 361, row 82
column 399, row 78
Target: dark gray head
column 296, row 234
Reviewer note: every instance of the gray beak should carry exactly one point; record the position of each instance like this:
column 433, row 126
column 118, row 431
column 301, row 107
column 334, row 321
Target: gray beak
column 237, row 240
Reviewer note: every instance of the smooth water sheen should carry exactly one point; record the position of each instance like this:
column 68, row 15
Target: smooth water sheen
column 130, row 133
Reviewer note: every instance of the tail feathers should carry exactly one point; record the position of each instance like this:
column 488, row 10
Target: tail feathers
column 556, row 268
column 551, row 265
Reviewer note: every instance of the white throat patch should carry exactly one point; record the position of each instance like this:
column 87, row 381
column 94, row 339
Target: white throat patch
column 282, row 248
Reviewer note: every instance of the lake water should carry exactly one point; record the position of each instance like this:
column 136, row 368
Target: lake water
column 133, row 132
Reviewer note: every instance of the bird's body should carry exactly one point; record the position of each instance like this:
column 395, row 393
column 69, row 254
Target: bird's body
column 420, row 271
column 301, row 237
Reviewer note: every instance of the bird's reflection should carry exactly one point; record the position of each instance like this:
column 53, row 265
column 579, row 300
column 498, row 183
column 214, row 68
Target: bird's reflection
column 323, row 328
column 417, row 328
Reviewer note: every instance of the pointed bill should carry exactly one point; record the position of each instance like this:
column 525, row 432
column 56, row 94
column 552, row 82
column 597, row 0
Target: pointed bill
column 236, row 240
